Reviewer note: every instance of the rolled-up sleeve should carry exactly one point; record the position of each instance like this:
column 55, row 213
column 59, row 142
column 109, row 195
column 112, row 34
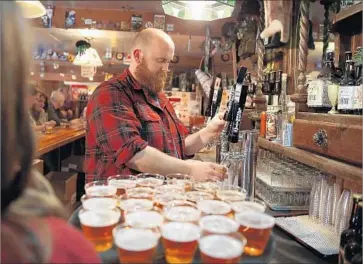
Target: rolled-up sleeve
column 116, row 128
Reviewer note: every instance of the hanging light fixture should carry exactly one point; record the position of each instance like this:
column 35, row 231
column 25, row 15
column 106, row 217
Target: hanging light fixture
column 31, row 8
column 87, row 56
column 199, row 10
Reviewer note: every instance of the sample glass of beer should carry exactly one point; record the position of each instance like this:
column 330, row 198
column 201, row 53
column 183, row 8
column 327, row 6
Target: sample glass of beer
column 140, row 193
column 149, row 180
column 169, row 188
column 133, row 205
column 100, row 189
column 181, row 180
column 195, row 196
column 230, row 193
column 180, row 241
column 122, row 183
column 181, row 211
column 97, row 226
column 215, row 207
column 207, row 186
column 135, row 245
column 161, row 199
column 256, row 227
column 222, row 248
column 218, row 224
column 253, row 204
column 144, row 219
column 98, row 203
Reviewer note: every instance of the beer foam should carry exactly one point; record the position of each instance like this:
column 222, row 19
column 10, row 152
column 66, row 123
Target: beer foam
column 180, row 232
column 198, row 196
column 218, row 224
column 167, row 197
column 99, row 218
column 99, row 203
column 247, row 205
column 133, row 239
column 136, row 204
column 221, row 246
column 255, row 220
column 231, row 195
column 144, row 219
column 101, row 190
column 214, row 207
column 122, row 183
column 140, row 192
column 182, row 214
column 149, row 181
column 170, row 188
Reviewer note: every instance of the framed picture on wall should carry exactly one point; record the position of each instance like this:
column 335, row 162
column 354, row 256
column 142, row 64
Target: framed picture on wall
column 159, row 22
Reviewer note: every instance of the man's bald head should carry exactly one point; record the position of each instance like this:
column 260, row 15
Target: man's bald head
column 57, row 99
column 150, row 37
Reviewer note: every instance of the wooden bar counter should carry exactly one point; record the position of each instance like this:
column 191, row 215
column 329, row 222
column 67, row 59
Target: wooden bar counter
column 60, row 137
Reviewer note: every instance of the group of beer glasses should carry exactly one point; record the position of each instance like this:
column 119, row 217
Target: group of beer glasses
column 148, row 213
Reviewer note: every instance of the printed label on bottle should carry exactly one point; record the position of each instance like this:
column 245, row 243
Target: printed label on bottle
column 237, row 122
column 237, row 93
column 345, row 98
column 315, row 93
column 358, row 97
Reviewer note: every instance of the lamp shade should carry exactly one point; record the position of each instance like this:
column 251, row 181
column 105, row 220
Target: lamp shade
column 89, row 58
column 199, row 10
column 31, row 9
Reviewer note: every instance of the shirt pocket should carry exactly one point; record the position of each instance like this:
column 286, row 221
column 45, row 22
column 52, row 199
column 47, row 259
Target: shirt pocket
column 151, row 125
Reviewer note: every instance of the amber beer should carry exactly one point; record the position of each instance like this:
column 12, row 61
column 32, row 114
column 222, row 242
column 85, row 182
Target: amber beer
column 97, row 226
column 180, row 241
column 256, row 227
column 220, row 249
column 218, row 224
column 214, row 207
column 122, row 183
column 135, row 245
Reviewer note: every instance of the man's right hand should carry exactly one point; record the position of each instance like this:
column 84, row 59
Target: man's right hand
column 202, row 171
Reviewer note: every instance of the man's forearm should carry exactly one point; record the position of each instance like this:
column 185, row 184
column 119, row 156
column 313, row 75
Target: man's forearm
column 154, row 161
column 197, row 141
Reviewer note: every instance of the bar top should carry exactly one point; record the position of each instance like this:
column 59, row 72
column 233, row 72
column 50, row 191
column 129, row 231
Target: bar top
column 60, row 137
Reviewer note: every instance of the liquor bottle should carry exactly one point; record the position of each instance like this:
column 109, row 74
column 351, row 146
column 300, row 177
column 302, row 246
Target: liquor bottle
column 358, row 91
column 347, row 86
column 354, row 246
column 238, row 87
column 348, row 234
column 238, row 106
column 272, row 99
column 266, row 84
column 278, row 84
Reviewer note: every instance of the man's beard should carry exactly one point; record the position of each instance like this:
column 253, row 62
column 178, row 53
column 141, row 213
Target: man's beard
column 154, row 82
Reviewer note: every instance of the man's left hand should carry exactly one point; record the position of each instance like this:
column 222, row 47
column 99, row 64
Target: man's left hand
column 216, row 125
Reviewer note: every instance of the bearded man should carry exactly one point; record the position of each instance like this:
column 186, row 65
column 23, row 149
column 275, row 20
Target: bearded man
column 132, row 127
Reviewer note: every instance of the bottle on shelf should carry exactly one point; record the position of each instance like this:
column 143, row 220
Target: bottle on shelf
column 347, row 86
column 273, row 99
column 354, row 245
column 238, row 106
column 349, row 234
column 358, row 91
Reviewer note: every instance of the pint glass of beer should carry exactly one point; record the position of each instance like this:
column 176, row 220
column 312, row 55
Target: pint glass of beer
column 181, row 211
column 256, row 227
column 230, row 193
column 122, row 183
column 135, row 245
column 97, row 226
column 180, row 179
column 100, row 189
column 149, row 180
column 218, row 224
column 144, row 219
column 222, row 248
column 180, row 241
column 214, row 207
column 253, row 204
column 162, row 199
column 196, row 196
column 140, row 193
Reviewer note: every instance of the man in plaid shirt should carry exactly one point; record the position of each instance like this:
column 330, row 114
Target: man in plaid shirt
column 132, row 127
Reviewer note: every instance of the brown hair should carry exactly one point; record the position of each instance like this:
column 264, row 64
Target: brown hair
column 25, row 195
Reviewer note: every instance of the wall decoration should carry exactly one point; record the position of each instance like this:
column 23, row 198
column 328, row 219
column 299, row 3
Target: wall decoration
column 159, row 22
column 136, row 22
column 149, row 24
column 70, row 20
column 47, row 18
column 169, row 27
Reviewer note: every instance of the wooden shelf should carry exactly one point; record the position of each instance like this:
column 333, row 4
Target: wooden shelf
column 336, row 119
column 333, row 167
column 348, row 21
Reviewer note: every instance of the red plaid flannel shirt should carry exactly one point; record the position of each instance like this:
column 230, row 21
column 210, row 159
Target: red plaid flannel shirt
column 122, row 119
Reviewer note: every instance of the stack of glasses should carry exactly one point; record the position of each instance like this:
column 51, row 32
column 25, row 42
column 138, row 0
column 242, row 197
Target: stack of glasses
column 149, row 217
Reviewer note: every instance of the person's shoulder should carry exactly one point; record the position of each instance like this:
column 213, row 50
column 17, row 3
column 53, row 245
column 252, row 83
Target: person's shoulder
column 69, row 244
column 117, row 83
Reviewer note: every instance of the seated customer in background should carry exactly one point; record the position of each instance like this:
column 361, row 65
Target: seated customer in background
column 54, row 107
column 67, row 108
column 33, row 224
column 32, row 100
column 38, row 114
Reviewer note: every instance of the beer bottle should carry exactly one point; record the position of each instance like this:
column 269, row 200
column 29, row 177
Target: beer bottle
column 358, row 91
column 347, row 86
column 238, row 106
column 354, row 246
column 237, row 87
column 349, row 233
column 277, row 87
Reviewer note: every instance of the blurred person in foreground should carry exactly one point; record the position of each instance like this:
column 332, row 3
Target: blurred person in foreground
column 55, row 104
column 132, row 127
column 33, row 224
